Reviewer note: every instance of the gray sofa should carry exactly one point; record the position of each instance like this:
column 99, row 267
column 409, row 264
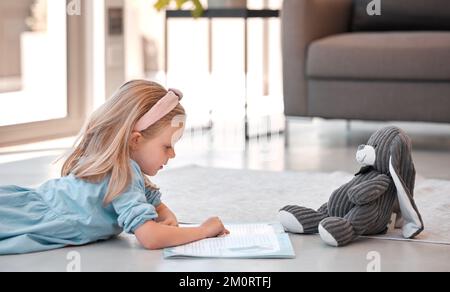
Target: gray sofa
column 339, row 66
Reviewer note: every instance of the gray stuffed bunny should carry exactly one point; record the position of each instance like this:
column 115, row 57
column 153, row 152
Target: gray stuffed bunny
column 364, row 206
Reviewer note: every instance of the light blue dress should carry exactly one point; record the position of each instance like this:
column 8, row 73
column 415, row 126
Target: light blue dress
column 70, row 211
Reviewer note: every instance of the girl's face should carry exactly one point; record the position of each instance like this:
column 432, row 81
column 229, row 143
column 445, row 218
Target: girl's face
column 152, row 154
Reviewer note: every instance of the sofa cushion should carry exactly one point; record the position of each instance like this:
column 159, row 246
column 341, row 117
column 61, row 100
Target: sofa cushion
column 402, row 15
column 382, row 56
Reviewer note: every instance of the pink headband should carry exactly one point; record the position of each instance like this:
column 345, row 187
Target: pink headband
column 164, row 106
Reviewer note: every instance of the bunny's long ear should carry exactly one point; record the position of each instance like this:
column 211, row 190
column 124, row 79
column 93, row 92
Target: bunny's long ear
column 403, row 174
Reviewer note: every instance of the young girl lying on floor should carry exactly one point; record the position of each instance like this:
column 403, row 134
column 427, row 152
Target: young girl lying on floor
column 104, row 189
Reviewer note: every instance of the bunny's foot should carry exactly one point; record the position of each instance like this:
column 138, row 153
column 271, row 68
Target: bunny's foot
column 336, row 231
column 302, row 220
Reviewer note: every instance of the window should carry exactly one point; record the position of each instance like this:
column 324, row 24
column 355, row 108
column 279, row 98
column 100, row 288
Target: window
column 40, row 50
column 218, row 94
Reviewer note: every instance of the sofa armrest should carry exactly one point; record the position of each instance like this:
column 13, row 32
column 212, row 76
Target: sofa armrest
column 304, row 21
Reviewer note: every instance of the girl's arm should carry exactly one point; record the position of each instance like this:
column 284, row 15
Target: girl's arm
column 153, row 235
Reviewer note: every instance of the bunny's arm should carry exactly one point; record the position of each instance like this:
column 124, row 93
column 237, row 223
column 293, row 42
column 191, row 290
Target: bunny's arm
column 369, row 190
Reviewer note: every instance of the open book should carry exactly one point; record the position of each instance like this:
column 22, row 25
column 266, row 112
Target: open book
column 262, row 240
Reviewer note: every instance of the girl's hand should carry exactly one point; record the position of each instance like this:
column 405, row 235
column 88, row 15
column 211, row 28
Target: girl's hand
column 166, row 216
column 169, row 221
column 214, row 227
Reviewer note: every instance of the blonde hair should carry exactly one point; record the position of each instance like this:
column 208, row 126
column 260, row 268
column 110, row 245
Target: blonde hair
column 102, row 147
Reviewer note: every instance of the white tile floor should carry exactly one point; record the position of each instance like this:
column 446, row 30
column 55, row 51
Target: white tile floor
column 314, row 145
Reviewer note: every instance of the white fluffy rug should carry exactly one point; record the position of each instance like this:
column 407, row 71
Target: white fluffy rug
column 196, row 193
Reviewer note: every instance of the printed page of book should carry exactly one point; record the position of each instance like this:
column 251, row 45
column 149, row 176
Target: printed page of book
column 243, row 240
